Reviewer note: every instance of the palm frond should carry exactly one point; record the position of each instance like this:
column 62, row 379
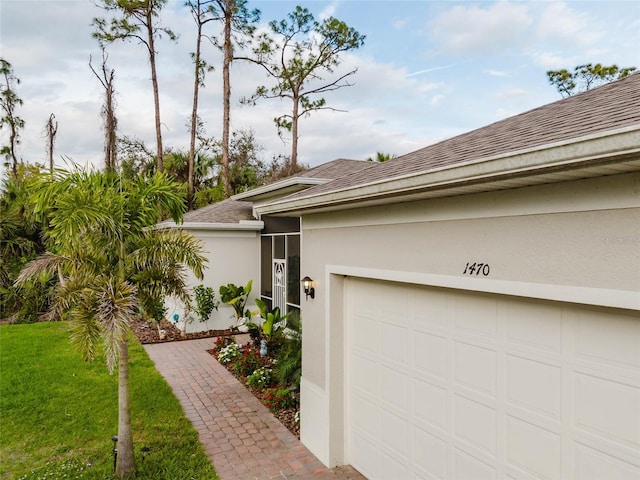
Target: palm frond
column 117, row 304
column 47, row 263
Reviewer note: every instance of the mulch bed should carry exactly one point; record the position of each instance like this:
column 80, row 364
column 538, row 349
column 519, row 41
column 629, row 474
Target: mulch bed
column 147, row 333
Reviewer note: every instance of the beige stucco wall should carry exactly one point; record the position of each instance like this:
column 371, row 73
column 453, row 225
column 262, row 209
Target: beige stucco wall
column 234, row 257
column 570, row 241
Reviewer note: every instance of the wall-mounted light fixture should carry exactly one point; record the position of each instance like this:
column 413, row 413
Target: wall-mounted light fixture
column 307, row 284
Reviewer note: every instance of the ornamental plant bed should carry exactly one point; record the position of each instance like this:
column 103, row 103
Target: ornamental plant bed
column 148, row 333
column 282, row 402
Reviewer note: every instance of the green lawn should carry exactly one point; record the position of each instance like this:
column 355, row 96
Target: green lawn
column 58, row 413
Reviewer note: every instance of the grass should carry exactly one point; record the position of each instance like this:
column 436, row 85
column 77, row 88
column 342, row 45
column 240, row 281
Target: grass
column 58, row 413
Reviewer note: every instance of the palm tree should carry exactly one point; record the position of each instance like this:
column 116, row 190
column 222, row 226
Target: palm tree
column 112, row 264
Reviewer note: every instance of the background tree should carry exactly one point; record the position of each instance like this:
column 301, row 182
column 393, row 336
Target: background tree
column 381, row 157
column 585, row 77
column 239, row 28
column 202, row 12
column 21, row 241
column 9, row 101
column 106, row 78
column 303, row 51
column 112, row 264
column 138, row 20
column 51, row 129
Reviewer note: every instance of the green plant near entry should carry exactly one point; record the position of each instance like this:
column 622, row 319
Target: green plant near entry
column 237, row 297
column 205, row 302
column 59, row 412
column 261, row 378
column 288, row 366
column 271, row 330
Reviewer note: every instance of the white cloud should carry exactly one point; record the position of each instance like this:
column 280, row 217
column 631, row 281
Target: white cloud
column 436, row 100
column 496, row 73
column 563, row 25
column 473, row 30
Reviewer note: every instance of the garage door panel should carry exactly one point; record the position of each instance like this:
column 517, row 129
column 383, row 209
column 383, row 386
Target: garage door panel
column 592, row 464
column 368, row 338
column 364, row 455
column 467, row 466
column 534, row 385
column 430, row 453
column 365, row 418
column 476, row 424
column 475, row 368
column 393, row 468
column 613, row 343
column 434, row 312
column 430, row 404
column 394, row 346
column 430, row 354
column 395, row 432
column 533, row 449
column 394, row 389
column 476, row 315
column 619, row 421
column 533, row 325
column 363, row 381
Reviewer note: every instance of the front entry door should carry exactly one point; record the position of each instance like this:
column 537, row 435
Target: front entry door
column 280, row 285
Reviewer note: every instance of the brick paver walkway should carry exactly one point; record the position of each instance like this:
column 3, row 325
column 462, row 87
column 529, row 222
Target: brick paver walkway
column 241, row 437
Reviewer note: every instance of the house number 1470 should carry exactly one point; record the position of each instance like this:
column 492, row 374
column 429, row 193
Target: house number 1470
column 476, row 269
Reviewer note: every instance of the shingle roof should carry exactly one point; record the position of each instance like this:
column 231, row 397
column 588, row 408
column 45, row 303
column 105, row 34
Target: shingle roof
column 611, row 106
column 233, row 211
column 337, row 168
column 226, row 211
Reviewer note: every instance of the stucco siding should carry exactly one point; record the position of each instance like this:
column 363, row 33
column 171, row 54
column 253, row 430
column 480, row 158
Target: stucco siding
column 234, row 257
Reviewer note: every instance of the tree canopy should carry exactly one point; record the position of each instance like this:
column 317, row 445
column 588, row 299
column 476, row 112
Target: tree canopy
column 584, row 77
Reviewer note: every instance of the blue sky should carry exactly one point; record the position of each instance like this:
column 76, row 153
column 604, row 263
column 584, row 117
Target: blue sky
column 428, row 70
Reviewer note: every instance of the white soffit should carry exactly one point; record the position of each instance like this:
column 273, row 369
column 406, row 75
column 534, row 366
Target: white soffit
column 606, row 153
column 255, row 225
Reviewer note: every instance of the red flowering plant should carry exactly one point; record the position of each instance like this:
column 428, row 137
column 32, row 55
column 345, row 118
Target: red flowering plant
column 280, row 399
column 247, row 362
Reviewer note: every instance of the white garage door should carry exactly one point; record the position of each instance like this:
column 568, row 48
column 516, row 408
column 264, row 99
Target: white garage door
column 451, row 384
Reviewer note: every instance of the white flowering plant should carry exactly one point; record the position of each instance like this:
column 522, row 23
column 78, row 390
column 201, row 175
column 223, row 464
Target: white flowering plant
column 260, row 378
column 229, row 353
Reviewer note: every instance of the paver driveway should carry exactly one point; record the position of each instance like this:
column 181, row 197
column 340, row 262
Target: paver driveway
column 241, row 437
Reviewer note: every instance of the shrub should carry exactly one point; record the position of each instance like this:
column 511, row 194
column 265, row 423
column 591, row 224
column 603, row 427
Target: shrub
column 205, row 302
column 260, row 378
column 288, row 367
column 279, row 399
column 246, row 362
column 229, row 353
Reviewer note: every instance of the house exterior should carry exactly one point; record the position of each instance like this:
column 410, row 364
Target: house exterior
column 242, row 249
column 477, row 302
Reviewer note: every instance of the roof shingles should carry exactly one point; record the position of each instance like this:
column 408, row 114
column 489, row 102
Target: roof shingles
column 608, row 107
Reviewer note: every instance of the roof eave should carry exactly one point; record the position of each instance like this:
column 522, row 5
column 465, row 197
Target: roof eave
column 248, row 225
column 544, row 164
column 285, row 187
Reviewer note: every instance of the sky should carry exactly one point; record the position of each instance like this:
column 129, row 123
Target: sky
column 428, row 70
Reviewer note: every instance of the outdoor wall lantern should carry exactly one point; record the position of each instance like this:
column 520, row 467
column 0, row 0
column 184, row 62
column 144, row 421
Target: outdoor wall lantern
column 309, row 291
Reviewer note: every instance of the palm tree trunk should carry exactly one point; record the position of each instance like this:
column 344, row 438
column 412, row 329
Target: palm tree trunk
column 194, row 115
column 125, row 466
